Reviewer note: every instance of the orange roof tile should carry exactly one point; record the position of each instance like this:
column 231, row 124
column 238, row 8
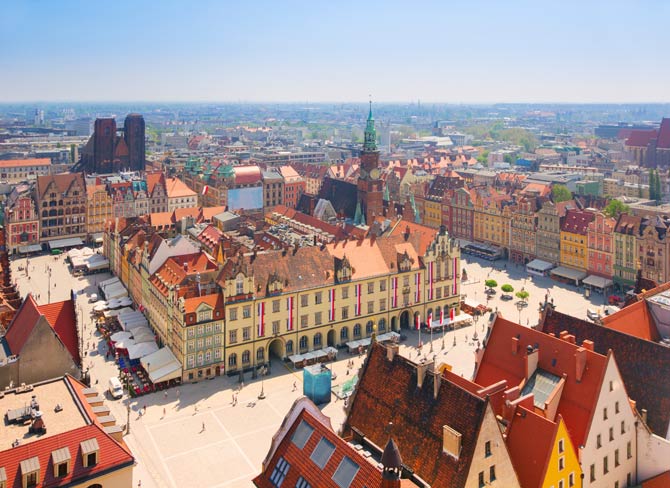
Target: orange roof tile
column 177, row 188
column 214, row 300
column 634, row 320
column 12, row 163
column 660, row 481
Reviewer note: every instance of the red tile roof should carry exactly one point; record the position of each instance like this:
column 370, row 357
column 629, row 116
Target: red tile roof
column 558, row 357
column 153, row 179
column 11, row 163
column 577, row 221
column 387, row 391
column 60, row 316
column 640, row 138
column 635, row 320
column 368, row 476
column 663, row 141
column 530, row 439
column 660, row 481
column 640, row 362
column 247, row 175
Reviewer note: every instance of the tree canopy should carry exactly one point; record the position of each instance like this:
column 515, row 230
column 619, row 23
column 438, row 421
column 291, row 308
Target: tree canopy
column 507, row 288
column 560, row 193
column 615, row 208
column 522, row 295
column 491, row 283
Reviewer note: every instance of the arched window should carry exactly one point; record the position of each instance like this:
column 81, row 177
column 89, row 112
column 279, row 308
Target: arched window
column 317, row 339
column 245, row 357
column 381, row 325
column 368, row 328
column 303, row 342
column 357, row 330
column 232, row 360
column 60, row 203
column 344, row 333
column 260, row 354
column 289, row 347
column 437, row 313
column 45, row 213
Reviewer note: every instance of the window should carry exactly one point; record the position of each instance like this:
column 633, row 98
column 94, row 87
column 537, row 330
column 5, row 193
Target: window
column 32, row 478
column 304, row 300
column 245, row 357
column 317, row 340
column 611, row 434
column 260, row 354
column 279, row 473
column 345, row 313
column 371, row 307
column 561, row 446
column 571, row 480
column 611, row 385
column 345, row 472
column 606, row 467
column 232, row 336
column 371, row 288
column 289, row 347
column 246, row 311
column 592, row 476
column 303, row 342
column 605, row 413
column 239, row 285
column 357, row 330
column 487, row 448
column 623, row 427
column 61, row 470
column 317, row 318
column 629, row 450
column 345, row 292
column 561, row 463
column 204, row 315
column 322, row 452
column 492, row 473
column 344, row 333
column 318, row 297
column 275, row 306
column 616, row 407
column 616, row 458
column 481, row 479
column 301, row 483
column 368, row 328
column 275, row 327
column 561, row 484
column 246, row 333
column 232, row 360
column 303, row 321
column 599, row 442
column 382, row 285
column 382, row 305
column 233, row 314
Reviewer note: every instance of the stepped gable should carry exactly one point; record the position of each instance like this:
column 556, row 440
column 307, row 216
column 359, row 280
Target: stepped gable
column 388, row 392
column 640, row 362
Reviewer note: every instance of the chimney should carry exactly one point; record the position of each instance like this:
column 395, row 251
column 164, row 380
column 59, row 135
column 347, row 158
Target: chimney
column 563, row 335
column 392, row 351
column 570, row 338
column 515, row 345
column 421, row 370
column 451, row 441
column 580, row 363
column 437, row 381
column 532, row 357
column 588, row 345
column 391, row 465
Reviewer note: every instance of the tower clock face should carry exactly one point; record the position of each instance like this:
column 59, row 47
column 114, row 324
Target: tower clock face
column 363, row 172
column 374, row 174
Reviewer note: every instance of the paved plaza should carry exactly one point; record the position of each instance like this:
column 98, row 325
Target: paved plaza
column 195, row 436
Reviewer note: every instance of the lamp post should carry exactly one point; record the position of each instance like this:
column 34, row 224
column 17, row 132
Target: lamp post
column 128, row 406
column 519, row 306
column 262, row 370
column 430, row 326
column 49, row 287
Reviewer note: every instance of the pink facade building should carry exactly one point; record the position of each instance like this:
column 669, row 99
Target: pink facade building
column 600, row 246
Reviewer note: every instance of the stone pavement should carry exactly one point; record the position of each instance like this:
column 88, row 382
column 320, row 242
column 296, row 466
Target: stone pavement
column 169, row 442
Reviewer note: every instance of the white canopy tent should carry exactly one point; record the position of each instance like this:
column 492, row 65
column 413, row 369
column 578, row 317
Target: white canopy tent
column 161, row 365
column 115, row 291
column 115, row 313
column 141, row 350
column 120, row 336
column 124, row 344
column 134, row 324
column 142, row 334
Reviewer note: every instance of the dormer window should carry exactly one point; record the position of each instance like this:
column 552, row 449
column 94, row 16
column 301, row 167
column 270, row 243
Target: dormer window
column 61, row 462
column 30, row 472
column 89, row 452
column 204, row 315
column 3, row 478
column 239, row 284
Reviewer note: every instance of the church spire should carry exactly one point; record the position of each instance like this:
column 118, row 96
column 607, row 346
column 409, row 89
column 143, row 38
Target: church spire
column 370, row 141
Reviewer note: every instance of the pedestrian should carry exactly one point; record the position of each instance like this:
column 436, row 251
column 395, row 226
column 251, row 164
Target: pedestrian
column 294, row 386
column 203, row 427
column 165, row 394
column 163, row 411
column 139, row 484
column 232, row 400
column 177, row 393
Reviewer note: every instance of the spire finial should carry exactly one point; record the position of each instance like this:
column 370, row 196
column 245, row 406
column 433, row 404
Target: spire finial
column 370, row 113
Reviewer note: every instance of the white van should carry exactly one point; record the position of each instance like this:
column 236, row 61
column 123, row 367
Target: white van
column 93, row 298
column 115, row 388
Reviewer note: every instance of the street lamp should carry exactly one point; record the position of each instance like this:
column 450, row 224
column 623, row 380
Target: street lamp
column 262, row 370
column 519, row 306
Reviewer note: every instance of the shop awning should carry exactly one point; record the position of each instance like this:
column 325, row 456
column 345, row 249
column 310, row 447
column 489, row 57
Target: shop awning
column 30, row 248
column 539, row 265
column 97, row 237
column 161, row 365
column 141, row 350
column 61, row 243
column 142, row 334
column 597, row 282
column 462, row 317
column 568, row 273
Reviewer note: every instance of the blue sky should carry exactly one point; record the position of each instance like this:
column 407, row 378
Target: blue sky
column 443, row 51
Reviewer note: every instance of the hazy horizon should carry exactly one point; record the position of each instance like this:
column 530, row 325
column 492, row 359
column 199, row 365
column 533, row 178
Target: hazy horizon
column 476, row 53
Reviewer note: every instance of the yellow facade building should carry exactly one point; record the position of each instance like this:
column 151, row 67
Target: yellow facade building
column 492, row 220
column 99, row 210
column 574, row 228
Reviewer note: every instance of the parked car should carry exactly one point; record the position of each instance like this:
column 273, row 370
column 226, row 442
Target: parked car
column 592, row 314
column 93, row 298
column 506, row 297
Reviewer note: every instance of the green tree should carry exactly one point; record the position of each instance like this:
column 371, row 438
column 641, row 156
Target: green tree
column 652, row 185
column 491, row 284
column 522, row 295
column 560, row 193
column 616, row 208
column 657, row 187
column 507, row 288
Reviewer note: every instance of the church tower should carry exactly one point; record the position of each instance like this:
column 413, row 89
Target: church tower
column 370, row 185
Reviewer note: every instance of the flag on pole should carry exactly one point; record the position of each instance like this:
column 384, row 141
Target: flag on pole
column 261, row 319
column 289, row 308
column 455, row 285
column 357, row 289
column 452, row 314
column 394, row 284
column 418, row 321
column 442, row 316
column 205, row 189
column 331, row 299
column 430, row 319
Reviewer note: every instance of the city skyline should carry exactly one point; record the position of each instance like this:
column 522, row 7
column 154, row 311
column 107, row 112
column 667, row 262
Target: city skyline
column 264, row 52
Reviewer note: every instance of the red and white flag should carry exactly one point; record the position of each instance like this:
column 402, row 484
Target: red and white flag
column 455, row 285
column 442, row 316
column 418, row 322
column 205, row 189
column 452, row 314
column 430, row 280
column 394, row 285
column 289, row 309
column 430, row 319
column 261, row 319
column 417, row 280
column 331, row 299
column 357, row 289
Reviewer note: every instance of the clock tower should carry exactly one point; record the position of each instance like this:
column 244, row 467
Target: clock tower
column 370, row 185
